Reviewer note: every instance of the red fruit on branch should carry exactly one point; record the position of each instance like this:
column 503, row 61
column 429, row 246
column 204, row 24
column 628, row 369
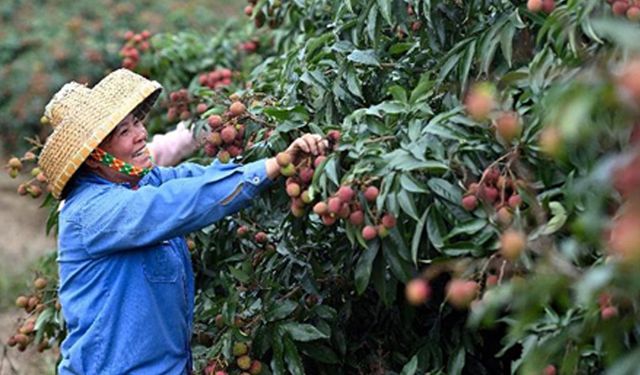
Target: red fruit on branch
column 628, row 81
column 244, row 362
column 549, row 370
column 491, row 280
column 417, row 291
column 480, row 101
column 334, row 204
column 283, row 159
column 333, row 135
column 228, row 134
column 242, row 232
column 504, row 216
column 22, row 302
column 608, row 312
column 534, row 5
column 201, row 108
column 514, row 201
column 293, row 190
column 624, row 238
column 633, row 13
column 388, row 220
column 15, row 163
column 319, row 160
column 256, row 367
column 508, row 126
column 371, row 193
column 320, row 208
column 329, row 219
column 460, row 292
column 237, row 108
column 512, row 244
column 357, row 218
column 306, row 174
column 40, row 283
column 260, row 237
column 345, row 211
column 369, row 232
column 346, row 193
column 620, row 7
column 469, row 202
column 548, row 6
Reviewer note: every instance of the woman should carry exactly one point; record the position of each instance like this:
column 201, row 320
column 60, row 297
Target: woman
column 126, row 282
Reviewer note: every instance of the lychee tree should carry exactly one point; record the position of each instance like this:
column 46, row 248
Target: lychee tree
column 477, row 212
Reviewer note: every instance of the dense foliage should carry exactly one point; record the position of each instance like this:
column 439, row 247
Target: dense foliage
column 501, row 233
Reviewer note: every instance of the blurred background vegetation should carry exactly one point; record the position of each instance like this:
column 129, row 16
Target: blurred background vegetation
column 44, row 44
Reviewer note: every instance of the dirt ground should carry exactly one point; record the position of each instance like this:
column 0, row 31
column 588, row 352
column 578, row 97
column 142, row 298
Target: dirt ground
column 22, row 241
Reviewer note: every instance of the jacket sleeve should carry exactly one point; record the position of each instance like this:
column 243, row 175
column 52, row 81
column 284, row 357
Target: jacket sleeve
column 121, row 219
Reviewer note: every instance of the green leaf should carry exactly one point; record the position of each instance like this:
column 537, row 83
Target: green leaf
column 399, row 48
column 366, row 57
column 385, row 10
column 363, row 268
column 445, row 189
column 410, row 184
column 292, row 357
column 282, row 310
column 456, row 362
column 241, row 276
column 331, row 170
column 398, row 93
column 468, row 228
column 411, row 367
column 423, row 86
column 417, row 236
column 319, row 352
column 389, row 107
column 303, row 332
column 435, row 227
column 559, row 217
column 506, row 42
column 407, row 203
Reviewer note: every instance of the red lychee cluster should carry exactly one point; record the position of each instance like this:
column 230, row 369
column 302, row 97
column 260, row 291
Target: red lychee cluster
column 179, row 105
column 343, row 204
column 627, row 8
column 299, row 179
column 33, row 304
column 300, row 175
column 227, row 133
column 216, row 78
column 134, row 45
column 546, row 6
column 38, row 182
column 269, row 9
column 244, row 363
column 494, row 189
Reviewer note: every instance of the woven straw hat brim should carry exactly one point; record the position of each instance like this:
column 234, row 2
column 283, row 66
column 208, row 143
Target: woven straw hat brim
column 91, row 118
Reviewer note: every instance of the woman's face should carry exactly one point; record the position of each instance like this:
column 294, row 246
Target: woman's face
column 128, row 142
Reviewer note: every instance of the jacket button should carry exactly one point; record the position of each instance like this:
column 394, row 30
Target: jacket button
column 256, row 180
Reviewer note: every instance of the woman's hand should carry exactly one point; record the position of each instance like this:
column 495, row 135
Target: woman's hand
column 312, row 144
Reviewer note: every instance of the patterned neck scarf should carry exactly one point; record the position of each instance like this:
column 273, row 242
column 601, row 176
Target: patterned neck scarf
column 118, row 165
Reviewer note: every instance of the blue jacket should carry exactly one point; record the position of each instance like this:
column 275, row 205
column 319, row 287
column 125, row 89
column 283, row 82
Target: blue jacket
column 126, row 282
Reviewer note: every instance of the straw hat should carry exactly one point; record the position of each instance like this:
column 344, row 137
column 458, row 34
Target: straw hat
column 82, row 118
